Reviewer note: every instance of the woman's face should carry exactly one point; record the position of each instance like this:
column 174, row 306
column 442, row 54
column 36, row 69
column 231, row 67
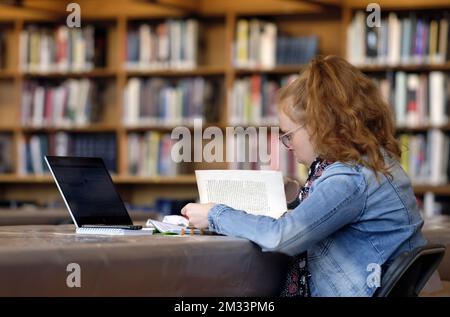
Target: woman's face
column 300, row 142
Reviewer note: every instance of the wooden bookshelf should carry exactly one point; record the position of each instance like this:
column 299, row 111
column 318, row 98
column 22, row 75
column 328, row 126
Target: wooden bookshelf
column 406, row 68
column 400, row 5
column 174, row 180
column 405, row 10
column 115, row 74
column 6, row 129
column 85, row 129
column 7, row 74
column 198, row 71
column 438, row 190
column 326, row 19
column 278, row 70
column 168, row 128
column 155, row 180
column 28, row 179
column 96, row 73
column 422, row 128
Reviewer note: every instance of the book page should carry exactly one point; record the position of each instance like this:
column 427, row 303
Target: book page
column 165, row 227
column 256, row 192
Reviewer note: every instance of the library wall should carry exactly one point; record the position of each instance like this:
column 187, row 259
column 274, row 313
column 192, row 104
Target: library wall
column 117, row 86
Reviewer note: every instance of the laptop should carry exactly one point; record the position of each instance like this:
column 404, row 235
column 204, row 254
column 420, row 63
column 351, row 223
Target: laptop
column 90, row 196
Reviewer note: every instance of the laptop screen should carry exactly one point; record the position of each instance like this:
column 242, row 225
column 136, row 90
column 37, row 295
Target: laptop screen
column 88, row 191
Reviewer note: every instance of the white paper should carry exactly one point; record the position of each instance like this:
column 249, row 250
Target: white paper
column 256, row 192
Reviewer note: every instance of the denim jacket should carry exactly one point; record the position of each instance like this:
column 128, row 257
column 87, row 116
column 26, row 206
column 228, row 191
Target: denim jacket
column 352, row 226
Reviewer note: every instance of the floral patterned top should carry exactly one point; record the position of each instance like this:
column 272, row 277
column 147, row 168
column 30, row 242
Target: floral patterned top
column 296, row 283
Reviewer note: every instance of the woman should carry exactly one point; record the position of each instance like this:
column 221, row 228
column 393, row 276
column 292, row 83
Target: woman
column 358, row 211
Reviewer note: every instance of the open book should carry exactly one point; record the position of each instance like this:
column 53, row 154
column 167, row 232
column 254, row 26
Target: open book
column 255, row 192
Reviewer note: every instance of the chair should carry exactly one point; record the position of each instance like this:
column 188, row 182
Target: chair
column 410, row 271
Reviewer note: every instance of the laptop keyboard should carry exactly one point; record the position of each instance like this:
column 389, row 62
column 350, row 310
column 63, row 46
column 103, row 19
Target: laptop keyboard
column 113, row 231
column 126, row 227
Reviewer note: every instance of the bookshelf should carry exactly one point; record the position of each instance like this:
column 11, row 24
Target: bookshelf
column 218, row 23
column 114, row 76
column 419, row 57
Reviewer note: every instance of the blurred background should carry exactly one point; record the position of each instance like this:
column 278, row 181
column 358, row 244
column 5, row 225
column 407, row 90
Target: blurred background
column 117, row 85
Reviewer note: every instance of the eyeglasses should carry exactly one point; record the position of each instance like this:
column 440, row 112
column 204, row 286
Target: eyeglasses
column 286, row 138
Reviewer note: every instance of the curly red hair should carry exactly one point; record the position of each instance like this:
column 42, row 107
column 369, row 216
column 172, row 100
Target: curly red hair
column 344, row 112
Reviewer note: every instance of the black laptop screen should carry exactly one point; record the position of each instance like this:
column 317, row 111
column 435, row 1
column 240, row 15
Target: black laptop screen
column 89, row 191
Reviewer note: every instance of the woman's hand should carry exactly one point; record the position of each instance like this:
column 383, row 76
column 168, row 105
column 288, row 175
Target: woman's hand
column 291, row 189
column 197, row 214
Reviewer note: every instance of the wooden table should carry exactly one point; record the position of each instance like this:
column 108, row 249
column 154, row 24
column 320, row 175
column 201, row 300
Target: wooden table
column 34, row 261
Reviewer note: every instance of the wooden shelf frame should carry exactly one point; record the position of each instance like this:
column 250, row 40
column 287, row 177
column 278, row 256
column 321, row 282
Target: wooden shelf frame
column 125, row 179
column 405, row 68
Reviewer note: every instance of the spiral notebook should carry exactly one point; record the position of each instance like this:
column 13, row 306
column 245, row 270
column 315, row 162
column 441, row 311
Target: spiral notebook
column 169, row 228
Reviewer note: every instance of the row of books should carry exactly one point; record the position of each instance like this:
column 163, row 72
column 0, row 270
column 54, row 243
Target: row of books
column 166, row 102
column 432, row 206
column 6, row 150
column 150, row 155
column 37, row 146
column 71, row 103
column 417, row 99
column 296, row 50
column 253, row 99
column 248, row 155
column 173, row 43
column 258, row 44
column 61, row 49
column 289, row 166
column 398, row 40
column 425, row 157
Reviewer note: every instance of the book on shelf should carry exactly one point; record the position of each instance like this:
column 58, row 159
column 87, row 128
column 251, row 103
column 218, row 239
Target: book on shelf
column 149, row 154
column 259, row 44
column 6, row 152
column 289, row 166
column 253, row 99
column 2, row 50
column 37, row 146
column 157, row 101
column 62, row 49
column 417, row 99
column 401, row 39
column 425, row 157
column 296, row 50
column 432, row 206
column 75, row 102
column 169, row 44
